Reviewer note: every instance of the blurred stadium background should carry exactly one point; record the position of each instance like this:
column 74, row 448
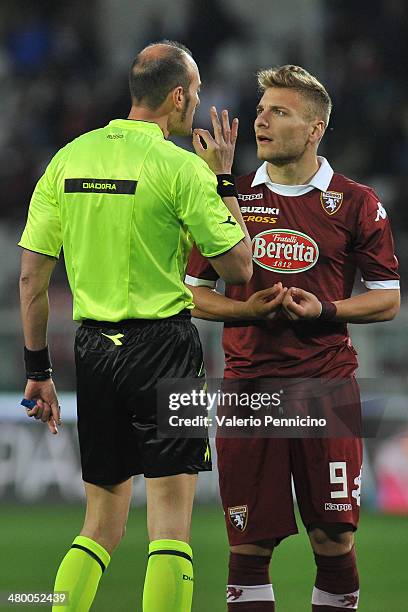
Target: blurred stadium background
column 63, row 71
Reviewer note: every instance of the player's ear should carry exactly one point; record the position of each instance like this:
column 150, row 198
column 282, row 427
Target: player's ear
column 317, row 130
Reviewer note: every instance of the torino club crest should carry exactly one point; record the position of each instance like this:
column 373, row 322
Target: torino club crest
column 331, row 201
column 238, row 516
column 233, row 593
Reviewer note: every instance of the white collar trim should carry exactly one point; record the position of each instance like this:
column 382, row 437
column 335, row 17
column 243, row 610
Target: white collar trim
column 321, row 180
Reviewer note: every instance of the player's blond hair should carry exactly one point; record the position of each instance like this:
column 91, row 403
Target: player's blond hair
column 299, row 79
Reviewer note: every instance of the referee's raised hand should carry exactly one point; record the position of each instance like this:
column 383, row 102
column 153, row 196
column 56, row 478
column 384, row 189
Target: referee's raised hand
column 220, row 150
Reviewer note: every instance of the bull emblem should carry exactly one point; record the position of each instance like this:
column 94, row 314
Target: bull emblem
column 331, row 201
column 238, row 517
column 349, row 601
column 233, row 593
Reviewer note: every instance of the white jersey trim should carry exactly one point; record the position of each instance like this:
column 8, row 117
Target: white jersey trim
column 348, row 601
column 242, row 593
column 199, row 282
column 384, row 284
column 321, row 180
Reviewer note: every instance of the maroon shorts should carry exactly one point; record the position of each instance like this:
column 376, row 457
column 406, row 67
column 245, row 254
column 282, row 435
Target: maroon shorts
column 255, row 479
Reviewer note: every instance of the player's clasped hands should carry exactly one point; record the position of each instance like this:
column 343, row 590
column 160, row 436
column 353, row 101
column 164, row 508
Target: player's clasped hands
column 264, row 304
column 295, row 303
column 300, row 304
column 220, row 148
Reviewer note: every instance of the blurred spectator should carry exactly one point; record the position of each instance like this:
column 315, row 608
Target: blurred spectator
column 210, row 24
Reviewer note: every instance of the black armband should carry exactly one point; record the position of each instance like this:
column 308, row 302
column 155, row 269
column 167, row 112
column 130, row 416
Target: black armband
column 329, row 311
column 226, row 187
column 37, row 364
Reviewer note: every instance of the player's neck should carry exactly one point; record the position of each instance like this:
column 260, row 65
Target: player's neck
column 296, row 173
column 139, row 113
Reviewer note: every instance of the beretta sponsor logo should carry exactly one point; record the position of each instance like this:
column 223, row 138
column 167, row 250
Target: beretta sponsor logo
column 284, row 250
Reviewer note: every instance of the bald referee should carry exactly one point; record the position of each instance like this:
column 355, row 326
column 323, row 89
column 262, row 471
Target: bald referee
column 126, row 205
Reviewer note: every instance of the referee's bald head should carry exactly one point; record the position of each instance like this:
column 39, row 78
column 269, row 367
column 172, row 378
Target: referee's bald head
column 157, row 70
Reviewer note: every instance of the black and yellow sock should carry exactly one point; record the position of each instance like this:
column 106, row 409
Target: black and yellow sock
column 169, row 577
column 79, row 574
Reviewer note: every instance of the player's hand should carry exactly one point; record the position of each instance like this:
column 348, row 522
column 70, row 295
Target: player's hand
column 265, row 304
column 220, row 150
column 300, row 304
column 47, row 409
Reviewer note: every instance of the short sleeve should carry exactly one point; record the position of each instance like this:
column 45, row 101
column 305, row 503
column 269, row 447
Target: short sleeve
column 200, row 272
column 42, row 232
column 374, row 246
column 202, row 211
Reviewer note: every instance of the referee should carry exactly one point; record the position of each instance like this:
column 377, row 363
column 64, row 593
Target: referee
column 126, row 205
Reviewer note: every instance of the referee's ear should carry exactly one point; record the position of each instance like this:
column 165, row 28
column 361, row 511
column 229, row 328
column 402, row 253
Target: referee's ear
column 178, row 97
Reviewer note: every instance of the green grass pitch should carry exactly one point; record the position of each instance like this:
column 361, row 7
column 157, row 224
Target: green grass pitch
column 33, row 540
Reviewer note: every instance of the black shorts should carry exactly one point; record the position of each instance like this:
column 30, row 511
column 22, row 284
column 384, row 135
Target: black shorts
column 116, row 398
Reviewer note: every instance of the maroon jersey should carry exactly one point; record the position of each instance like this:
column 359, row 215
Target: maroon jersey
column 310, row 236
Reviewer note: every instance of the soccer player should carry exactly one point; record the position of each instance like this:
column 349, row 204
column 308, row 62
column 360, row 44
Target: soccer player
column 126, row 204
column 311, row 228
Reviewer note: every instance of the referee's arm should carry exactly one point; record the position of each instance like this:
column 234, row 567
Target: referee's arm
column 36, row 271
column 235, row 266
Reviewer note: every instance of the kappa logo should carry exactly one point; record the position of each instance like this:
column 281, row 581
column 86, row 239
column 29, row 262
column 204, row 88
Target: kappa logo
column 338, row 507
column 238, row 516
column 250, row 196
column 381, row 212
column 233, row 593
column 349, row 601
column 115, row 339
column 331, row 201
